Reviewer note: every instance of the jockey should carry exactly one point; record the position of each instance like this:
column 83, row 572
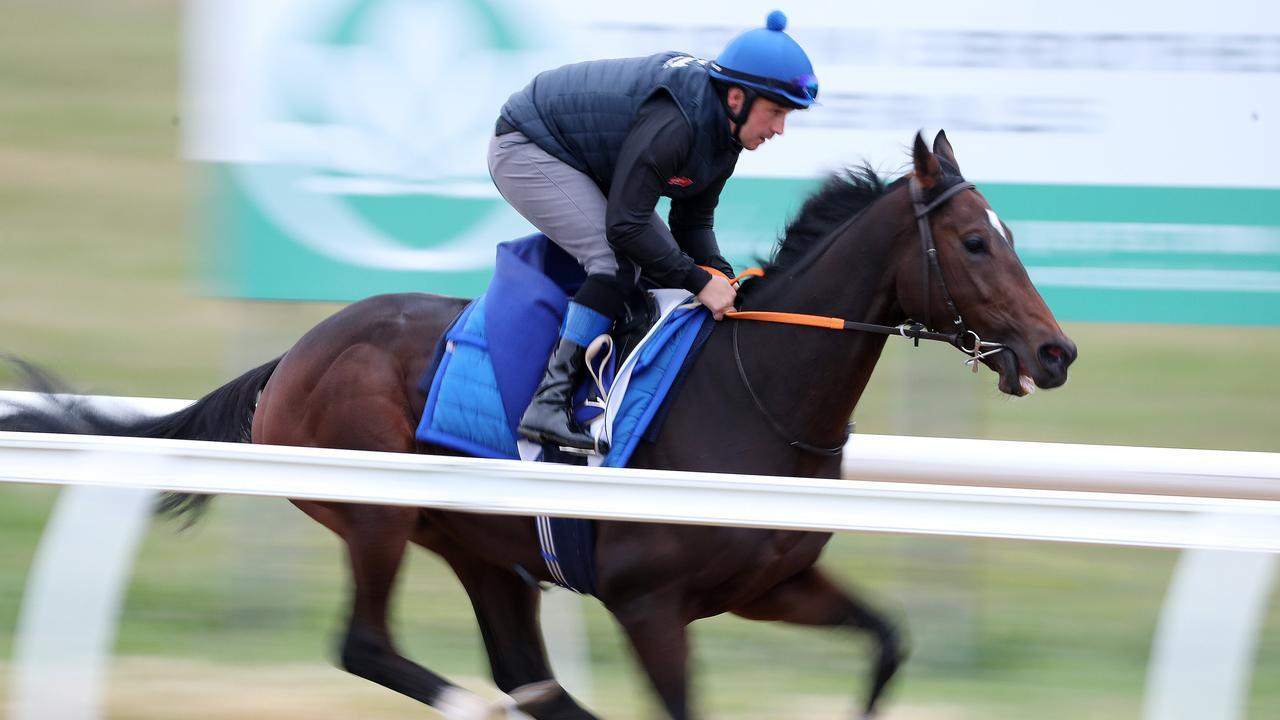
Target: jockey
column 584, row 152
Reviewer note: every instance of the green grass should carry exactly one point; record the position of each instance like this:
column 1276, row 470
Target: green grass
column 96, row 283
column 1162, row 386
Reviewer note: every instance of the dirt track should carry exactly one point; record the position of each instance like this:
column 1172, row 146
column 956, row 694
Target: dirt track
column 165, row 689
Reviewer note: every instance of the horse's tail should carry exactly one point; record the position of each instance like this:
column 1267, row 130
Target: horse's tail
column 224, row 415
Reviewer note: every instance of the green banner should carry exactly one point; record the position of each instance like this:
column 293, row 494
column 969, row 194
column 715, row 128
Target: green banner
column 1127, row 254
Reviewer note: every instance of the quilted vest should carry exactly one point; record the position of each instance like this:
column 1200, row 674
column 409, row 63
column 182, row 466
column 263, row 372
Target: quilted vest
column 581, row 114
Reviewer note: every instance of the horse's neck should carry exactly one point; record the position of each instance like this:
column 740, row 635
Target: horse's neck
column 816, row 377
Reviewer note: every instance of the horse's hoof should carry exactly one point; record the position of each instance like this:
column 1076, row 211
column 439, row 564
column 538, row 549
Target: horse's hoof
column 535, row 693
column 458, row 704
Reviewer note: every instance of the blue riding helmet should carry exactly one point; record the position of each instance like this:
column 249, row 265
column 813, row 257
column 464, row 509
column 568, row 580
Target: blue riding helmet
column 768, row 61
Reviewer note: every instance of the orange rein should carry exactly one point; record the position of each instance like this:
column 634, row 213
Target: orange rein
column 968, row 341
column 818, row 321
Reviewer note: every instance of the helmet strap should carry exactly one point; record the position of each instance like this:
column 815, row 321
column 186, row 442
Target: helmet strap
column 739, row 118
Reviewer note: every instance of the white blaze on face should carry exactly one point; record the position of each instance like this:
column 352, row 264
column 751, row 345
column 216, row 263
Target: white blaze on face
column 995, row 223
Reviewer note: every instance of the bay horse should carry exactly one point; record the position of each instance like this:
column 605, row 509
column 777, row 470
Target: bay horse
column 761, row 398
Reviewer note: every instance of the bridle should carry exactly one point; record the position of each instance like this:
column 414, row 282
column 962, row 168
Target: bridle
column 963, row 338
column 978, row 348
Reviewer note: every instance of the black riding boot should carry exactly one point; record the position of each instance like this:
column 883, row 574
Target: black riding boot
column 549, row 418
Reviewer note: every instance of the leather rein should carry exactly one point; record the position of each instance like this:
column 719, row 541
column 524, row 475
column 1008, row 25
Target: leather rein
column 964, row 339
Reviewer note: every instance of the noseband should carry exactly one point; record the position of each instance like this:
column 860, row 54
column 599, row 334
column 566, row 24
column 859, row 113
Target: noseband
column 966, row 340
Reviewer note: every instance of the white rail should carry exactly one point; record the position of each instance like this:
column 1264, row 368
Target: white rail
column 1063, row 466
column 1036, row 491
column 987, row 463
column 509, row 487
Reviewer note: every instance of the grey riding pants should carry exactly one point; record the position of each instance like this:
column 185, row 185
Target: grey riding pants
column 561, row 202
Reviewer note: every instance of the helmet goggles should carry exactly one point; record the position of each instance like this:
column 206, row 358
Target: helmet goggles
column 800, row 90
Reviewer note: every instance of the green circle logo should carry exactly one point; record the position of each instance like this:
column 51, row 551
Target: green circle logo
column 377, row 118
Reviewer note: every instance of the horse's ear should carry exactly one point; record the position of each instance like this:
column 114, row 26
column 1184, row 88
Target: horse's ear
column 942, row 148
column 926, row 164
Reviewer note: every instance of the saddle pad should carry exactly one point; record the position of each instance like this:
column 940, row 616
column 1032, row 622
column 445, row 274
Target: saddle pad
column 491, row 359
column 475, row 393
column 464, row 408
column 469, row 408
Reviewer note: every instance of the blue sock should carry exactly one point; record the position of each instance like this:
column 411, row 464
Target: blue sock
column 582, row 324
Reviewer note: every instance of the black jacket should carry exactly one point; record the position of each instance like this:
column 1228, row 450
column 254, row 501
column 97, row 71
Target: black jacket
column 640, row 128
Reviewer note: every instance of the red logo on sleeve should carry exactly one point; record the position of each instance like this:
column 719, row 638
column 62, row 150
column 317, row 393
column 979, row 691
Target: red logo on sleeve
column 679, row 181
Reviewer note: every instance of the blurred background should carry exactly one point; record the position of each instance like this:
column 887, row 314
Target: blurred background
column 185, row 188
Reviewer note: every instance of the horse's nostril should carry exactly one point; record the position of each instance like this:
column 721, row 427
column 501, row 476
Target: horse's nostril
column 1053, row 355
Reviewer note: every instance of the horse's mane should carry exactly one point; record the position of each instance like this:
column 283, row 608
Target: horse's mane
column 844, row 194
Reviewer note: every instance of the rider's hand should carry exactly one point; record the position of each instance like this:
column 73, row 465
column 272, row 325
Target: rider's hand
column 718, row 296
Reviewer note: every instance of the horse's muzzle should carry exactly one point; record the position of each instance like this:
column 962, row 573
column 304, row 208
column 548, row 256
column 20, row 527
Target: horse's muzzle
column 1055, row 357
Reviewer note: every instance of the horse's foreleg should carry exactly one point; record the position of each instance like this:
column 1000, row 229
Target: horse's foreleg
column 507, row 611
column 810, row 598
column 659, row 636
column 376, row 538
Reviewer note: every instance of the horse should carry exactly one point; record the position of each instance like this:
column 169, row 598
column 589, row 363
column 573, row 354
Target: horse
column 761, row 398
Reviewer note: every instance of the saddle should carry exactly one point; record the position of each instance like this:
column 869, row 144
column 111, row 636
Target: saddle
column 488, row 364
column 639, row 314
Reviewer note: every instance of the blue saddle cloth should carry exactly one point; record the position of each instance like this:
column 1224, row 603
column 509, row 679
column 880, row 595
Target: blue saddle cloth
column 491, row 359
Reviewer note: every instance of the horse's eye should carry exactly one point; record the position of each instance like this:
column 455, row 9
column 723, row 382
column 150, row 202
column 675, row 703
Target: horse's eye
column 975, row 243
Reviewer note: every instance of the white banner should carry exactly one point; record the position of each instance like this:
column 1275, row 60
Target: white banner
column 1150, row 93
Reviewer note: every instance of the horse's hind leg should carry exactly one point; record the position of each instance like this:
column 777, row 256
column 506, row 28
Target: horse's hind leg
column 810, row 598
column 376, row 538
column 507, row 611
